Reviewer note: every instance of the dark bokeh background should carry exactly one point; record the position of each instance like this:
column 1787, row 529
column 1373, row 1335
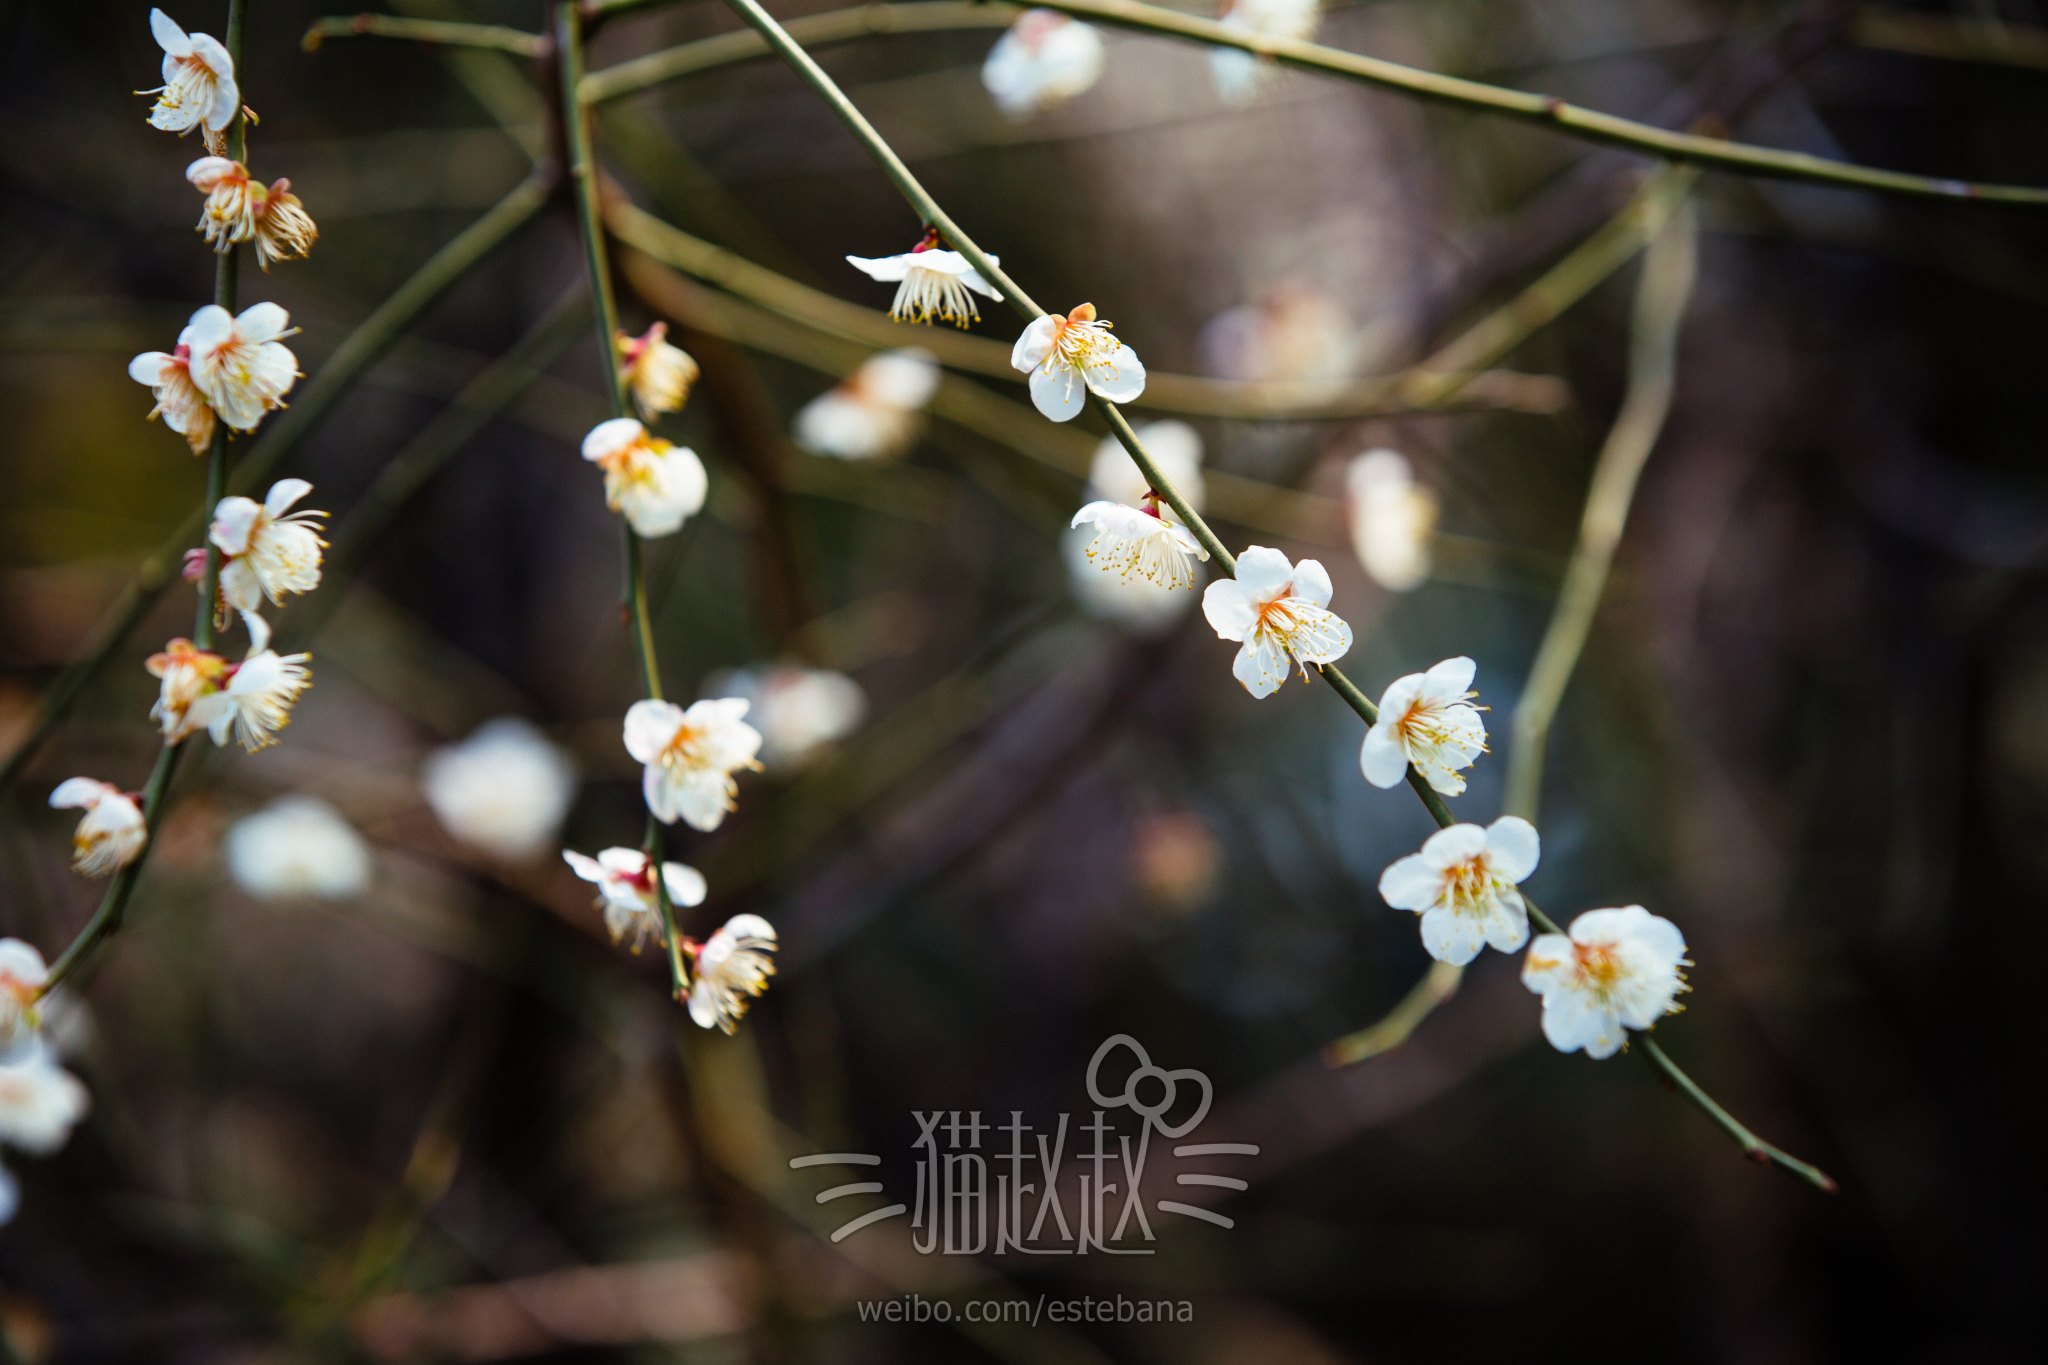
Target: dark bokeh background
column 1811, row 725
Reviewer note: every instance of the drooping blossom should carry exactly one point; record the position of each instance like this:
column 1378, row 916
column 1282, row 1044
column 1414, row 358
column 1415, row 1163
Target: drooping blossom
column 1277, row 609
column 297, row 846
column 23, row 974
column 1462, row 883
column 503, row 790
column 874, row 413
column 1237, row 72
column 239, row 362
column 657, row 485
column 1614, row 970
column 1141, row 542
column 1392, row 519
column 113, row 832
column 266, row 553
column 1043, row 59
column 1137, row 605
column 657, row 375
column 931, row 282
column 203, row 691
column 199, row 89
column 1070, row 357
column 626, row 891
column 1175, row 447
column 1291, row 331
column 799, row 711
column 1426, row 719
column 690, row 756
column 730, row 969
column 240, row 209
column 178, row 400
column 39, row 1102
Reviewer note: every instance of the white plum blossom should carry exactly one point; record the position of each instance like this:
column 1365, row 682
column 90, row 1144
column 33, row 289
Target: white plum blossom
column 931, row 282
column 267, row 551
column 1045, row 58
column 1237, row 72
column 1140, row 542
column 1175, row 447
column 1615, row 970
column 1277, row 609
column 178, row 400
column 656, row 485
column 240, row 209
column 239, row 361
column 199, row 89
column 1426, row 719
column 40, row 1102
column 1137, row 605
column 1462, row 883
column 252, row 699
column 658, row 375
column 873, row 414
column 1291, row 331
column 503, row 790
column 690, row 756
column 626, row 891
column 113, row 832
column 23, row 974
column 731, row 967
column 798, row 710
column 1392, row 519
column 297, row 846
column 1070, row 357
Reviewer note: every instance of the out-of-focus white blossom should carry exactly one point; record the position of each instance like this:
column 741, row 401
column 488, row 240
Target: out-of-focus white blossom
column 1392, row 518
column 297, row 846
column 1277, row 609
column 1136, row 604
column 178, row 400
column 199, row 89
column 1140, row 542
column 266, row 553
column 187, row 673
column 626, row 891
column 1614, row 970
column 1070, row 357
column 239, row 209
column 1462, row 883
column 731, row 968
column 797, row 710
column 1293, row 331
column 1043, row 59
column 503, row 790
column 1426, row 719
column 239, row 361
column 1175, row 447
column 873, row 414
column 931, row 282
column 113, row 832
column 658, row 486
column 690, row 756
column 23, row 974
column 1238, row 73
column 40, row 1102
column 657, row 375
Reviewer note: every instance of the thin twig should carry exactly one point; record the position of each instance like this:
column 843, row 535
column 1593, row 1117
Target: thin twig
column 583, row 177
column 515, row 41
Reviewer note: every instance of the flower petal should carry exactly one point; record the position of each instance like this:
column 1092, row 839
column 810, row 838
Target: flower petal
column 1450, row 936
column 1265, row 573
column 1035, row 344
column 283, row 494
column 1059, row 394
column 1229, row 608
column 1118, row 375
column 888, row 269
column 1453, row 845
column 168, row 35
column 233, row 520
column 79, row 793
column 1412, row 883
column 650, row 725
column 1261, row 665
column 686, row 885
column 585, row 867
column 1381, row 758
column 1451, row 679
column 1512, row 847
column 1312, row 582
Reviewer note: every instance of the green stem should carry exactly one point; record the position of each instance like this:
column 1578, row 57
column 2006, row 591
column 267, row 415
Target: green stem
column 569, row 52
column 1754, row 1147
column 371, row 338
column 495, row 36
column 226, row 274
column 1546, row 110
